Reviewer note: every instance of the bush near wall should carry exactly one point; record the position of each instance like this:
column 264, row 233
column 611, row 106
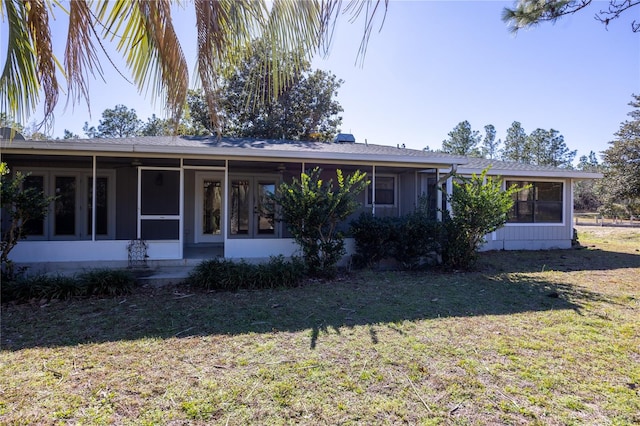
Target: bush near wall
column 227, row 275
column 99, row 282
column 412, row 240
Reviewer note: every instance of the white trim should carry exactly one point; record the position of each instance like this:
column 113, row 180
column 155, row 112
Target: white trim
column 205, row 168
column 564, row 199
column 198, row 202
column 178, row 217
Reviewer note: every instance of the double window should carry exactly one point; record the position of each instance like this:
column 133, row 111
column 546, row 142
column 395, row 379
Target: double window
column 537, row 202
column 71, row 214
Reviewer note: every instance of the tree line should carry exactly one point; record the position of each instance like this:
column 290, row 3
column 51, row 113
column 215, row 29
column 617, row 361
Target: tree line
column 541, row 147
column 618, row 194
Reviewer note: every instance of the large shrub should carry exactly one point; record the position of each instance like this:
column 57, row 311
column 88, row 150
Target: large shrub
column 19, row 206
column 312, row 209
column 480, row 206
column 412, row 240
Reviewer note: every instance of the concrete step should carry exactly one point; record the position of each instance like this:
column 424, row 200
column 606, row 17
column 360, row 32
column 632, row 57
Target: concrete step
column 165, row 276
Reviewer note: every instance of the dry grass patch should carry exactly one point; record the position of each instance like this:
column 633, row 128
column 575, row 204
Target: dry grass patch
column 530, row 338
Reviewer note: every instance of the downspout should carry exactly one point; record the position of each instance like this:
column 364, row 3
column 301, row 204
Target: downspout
column 441, row 180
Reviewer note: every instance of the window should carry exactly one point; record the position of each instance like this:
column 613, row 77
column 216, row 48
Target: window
column 65, row 206
column 385, row 191
column 34, row 227
column 70, row 216
column 541, row 202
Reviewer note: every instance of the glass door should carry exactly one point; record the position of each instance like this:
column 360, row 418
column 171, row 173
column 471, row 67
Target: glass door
column 251, row 209
column 209, row 207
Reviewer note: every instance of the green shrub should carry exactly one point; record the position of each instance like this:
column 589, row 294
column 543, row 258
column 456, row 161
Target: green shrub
column 101, row 282
column 227, row 275
column 411, row 240
column 480, row 206
column 107, row 282
column 373, row 237
column 47, row 287
column 312, row 209
column 416, row 240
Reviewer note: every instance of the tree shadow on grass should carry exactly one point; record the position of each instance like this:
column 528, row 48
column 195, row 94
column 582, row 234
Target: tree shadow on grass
column 579, row 259
column 361, row 299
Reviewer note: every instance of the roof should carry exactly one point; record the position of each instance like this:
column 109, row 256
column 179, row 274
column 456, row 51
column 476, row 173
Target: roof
column 238, row 147
column 509, row 168
column 249, row 148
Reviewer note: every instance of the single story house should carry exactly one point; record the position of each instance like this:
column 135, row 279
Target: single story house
column 179, row 198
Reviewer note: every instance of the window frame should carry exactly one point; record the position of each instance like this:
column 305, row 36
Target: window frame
column 82, row 177
column 368, row 201
column 507, row 181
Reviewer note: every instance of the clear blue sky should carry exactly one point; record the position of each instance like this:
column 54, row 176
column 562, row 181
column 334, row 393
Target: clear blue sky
column 435, row 64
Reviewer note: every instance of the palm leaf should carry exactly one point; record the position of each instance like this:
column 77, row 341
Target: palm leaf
column 80, row 57
column 19, row 85
column 151, row 48
column 38, row 25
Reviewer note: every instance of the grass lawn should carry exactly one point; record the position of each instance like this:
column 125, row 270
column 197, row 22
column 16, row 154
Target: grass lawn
column 548, row 338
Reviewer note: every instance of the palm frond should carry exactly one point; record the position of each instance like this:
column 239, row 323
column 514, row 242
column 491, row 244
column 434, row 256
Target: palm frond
column 225, row 29
column 19, row 85
column 38, row 26
column 150, row 47
column 80, row 59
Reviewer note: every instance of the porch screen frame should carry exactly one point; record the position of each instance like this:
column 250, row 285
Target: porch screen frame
column 178, row 217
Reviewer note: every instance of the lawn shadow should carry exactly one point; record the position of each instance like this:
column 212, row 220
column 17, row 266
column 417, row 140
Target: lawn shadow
column 360, row 299
column 577, row 259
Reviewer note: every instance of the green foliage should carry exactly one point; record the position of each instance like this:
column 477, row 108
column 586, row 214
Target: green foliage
column 622, row 160
column 480, row 206
column 102, row 282
column 412, row 240
column 119, row 122
column 312, row 210
column 19, row 206
column 588, row 193
column 462, row 141
column 542, row 147
column 528, row 13
column 107, row 282
column 373, row 236
column 227, row 275
column 305, row 108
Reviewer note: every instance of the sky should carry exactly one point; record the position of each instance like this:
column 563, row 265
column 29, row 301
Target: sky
column 434, row 64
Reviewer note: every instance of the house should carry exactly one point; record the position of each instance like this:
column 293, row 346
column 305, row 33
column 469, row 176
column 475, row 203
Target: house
column 180, row 198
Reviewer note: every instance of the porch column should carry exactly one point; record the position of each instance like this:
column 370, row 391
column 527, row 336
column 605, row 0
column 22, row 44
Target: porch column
column 225, row 210
column 373, row 192
column 438, row 189
column 94, row 174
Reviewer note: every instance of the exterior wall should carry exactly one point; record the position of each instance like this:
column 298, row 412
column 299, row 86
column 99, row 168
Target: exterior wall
column 264, row 248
